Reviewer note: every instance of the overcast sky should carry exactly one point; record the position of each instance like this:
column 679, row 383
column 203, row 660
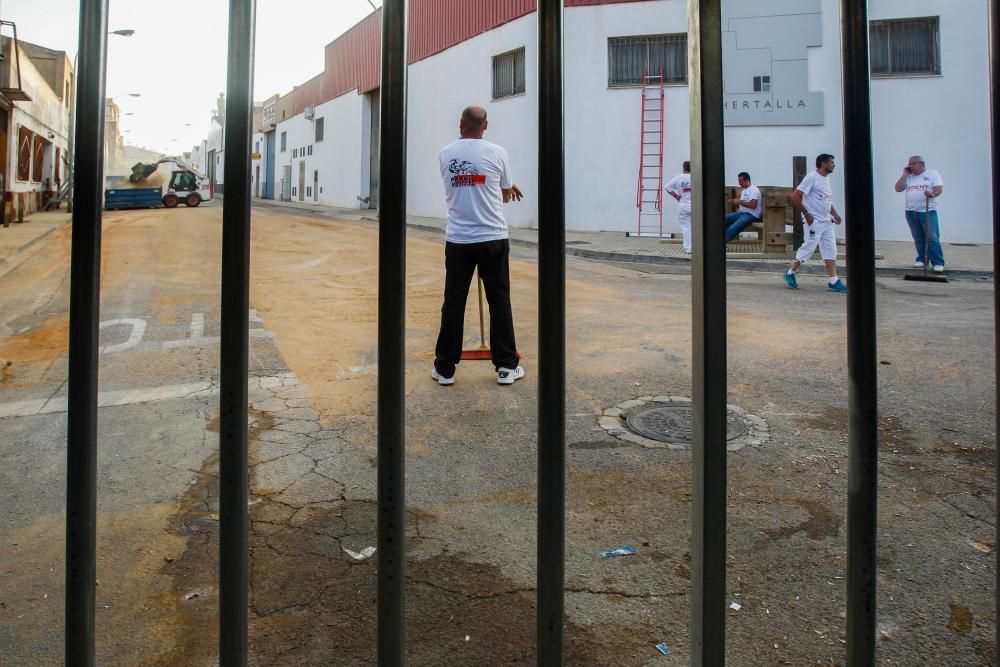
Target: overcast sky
column 176, row 60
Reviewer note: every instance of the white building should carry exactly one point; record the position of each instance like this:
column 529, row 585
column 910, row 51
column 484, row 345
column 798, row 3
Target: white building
column 34, row 124
column 782, row 82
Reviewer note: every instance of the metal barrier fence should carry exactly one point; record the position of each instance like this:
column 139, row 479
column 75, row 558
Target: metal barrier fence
column 709, row 339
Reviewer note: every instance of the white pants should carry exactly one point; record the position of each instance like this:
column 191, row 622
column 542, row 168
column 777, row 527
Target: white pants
column 818, row 234
column 684, row 220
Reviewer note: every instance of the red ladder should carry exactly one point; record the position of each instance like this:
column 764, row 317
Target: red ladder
column 649, row 192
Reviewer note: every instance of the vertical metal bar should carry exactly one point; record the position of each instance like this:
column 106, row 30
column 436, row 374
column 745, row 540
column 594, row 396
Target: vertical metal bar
column 551, row 335
column 84, row 318
column 234, row 552
column 995, row 135
column 862, row 350
column 708, row 302
column 391, row 339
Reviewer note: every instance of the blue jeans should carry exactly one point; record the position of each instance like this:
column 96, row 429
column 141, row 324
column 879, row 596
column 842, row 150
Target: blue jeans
column 737, row 222
column 916, row 221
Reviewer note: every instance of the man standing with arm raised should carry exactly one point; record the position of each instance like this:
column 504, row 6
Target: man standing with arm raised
column 813, row 198
column 477, row 183
column 923, row 186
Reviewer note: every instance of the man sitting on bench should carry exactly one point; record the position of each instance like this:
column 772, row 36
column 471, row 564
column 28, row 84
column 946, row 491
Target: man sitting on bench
column 751, row 209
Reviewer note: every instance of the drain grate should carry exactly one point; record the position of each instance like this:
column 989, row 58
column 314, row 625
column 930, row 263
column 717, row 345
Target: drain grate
column 673, row 422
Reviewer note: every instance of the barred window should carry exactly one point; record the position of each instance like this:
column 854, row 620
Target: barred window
column 319, row 129
column 630, row 57
column 905, row 46
column 508, row 74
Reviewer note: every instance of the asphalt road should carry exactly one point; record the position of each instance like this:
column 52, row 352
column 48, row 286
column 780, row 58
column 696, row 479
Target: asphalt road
column 471, row 460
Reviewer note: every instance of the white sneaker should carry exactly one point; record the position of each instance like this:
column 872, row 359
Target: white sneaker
column 509, row 376
column 938, row 268
column 442, row 380
column 918, row 265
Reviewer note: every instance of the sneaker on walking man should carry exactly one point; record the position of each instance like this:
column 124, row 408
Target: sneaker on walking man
column 923, row 186
column 813, row 198
column 477, row 183
column 679, row 188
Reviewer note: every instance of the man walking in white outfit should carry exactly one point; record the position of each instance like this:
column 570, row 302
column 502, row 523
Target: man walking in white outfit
column 813, row 198
column 679, row 188
column 477, row 183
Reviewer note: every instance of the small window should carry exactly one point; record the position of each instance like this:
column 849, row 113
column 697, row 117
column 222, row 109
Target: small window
column 284, row 137
column 508, row 74
column 295, row 152
column 319, row 129
column 762, row 84
column 310, row 149
column 309, row 191
column 293, row 190
column 901, row 47
column 630, row 58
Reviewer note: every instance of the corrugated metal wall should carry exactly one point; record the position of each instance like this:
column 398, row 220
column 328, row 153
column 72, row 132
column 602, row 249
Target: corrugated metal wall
column 353, row 60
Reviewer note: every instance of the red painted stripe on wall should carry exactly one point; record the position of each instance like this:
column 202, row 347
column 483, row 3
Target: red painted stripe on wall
column 353, row 60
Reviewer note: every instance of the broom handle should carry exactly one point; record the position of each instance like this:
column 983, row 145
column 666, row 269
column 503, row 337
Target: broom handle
column 482, row 322
column 927, row 234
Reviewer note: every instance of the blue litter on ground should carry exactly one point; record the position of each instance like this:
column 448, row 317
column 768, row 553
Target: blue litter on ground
column 620, row 551
column 663, row 648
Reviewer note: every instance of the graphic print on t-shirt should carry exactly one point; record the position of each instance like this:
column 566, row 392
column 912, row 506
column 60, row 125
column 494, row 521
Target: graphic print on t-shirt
column 465, row 174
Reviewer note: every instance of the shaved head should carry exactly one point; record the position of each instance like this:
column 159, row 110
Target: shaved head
column 473, row 122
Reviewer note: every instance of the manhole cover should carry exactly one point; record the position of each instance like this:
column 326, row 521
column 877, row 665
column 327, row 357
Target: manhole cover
column 673, row 423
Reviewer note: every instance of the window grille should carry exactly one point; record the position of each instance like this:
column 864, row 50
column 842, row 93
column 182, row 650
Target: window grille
column 901, row 47
column 295, row 152
column 319, row 129
column 284, row 138
column 630, row 57
column 508, row 74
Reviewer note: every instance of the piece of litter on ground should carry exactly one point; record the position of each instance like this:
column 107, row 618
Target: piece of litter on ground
column 168, row 558
column 192, row 595
column 365, row 553
column 466, row 637
column 620, row 551
column 736, row 606
column 980, row 546
column 663, row 648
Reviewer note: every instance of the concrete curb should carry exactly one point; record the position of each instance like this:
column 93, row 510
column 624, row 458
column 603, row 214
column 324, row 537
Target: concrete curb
column 747, row 265
column 6, row 264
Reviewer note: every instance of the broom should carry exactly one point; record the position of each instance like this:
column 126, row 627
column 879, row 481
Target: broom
column 483, row 352
column 925, row 276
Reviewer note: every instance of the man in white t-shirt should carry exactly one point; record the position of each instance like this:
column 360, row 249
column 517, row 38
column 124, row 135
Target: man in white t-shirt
column 477, row 183
column 751, row 208
column 813, row 198
column 923, row 186
column 679, row 188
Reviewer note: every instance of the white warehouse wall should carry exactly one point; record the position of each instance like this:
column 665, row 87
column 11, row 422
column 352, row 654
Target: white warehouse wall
column 946, row 119
column 337, row 157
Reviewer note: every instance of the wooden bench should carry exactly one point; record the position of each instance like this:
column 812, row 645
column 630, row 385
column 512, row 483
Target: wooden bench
column 773, row 236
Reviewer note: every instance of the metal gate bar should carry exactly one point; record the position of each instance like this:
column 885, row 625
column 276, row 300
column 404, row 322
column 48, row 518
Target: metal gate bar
column 391, row 337
column 708, row 333
column 995, row 109
column 862, row 349
column 84, row 319
column 234, row 551
column 551, row 337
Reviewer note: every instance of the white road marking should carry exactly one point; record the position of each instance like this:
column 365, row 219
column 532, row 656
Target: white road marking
column 211, row 340
column 143, row 395
column 134, row 338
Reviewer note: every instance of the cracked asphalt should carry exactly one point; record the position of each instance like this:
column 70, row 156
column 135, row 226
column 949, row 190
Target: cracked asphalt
column 471, row 461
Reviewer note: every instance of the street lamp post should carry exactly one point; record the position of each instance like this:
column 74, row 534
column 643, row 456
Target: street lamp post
column 72, row 124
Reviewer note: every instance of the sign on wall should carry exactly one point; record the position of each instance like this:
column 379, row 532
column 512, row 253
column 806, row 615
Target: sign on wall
column 765, row 62
column 268, row 115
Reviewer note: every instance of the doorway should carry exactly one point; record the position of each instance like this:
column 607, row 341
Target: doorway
column 302, row 181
